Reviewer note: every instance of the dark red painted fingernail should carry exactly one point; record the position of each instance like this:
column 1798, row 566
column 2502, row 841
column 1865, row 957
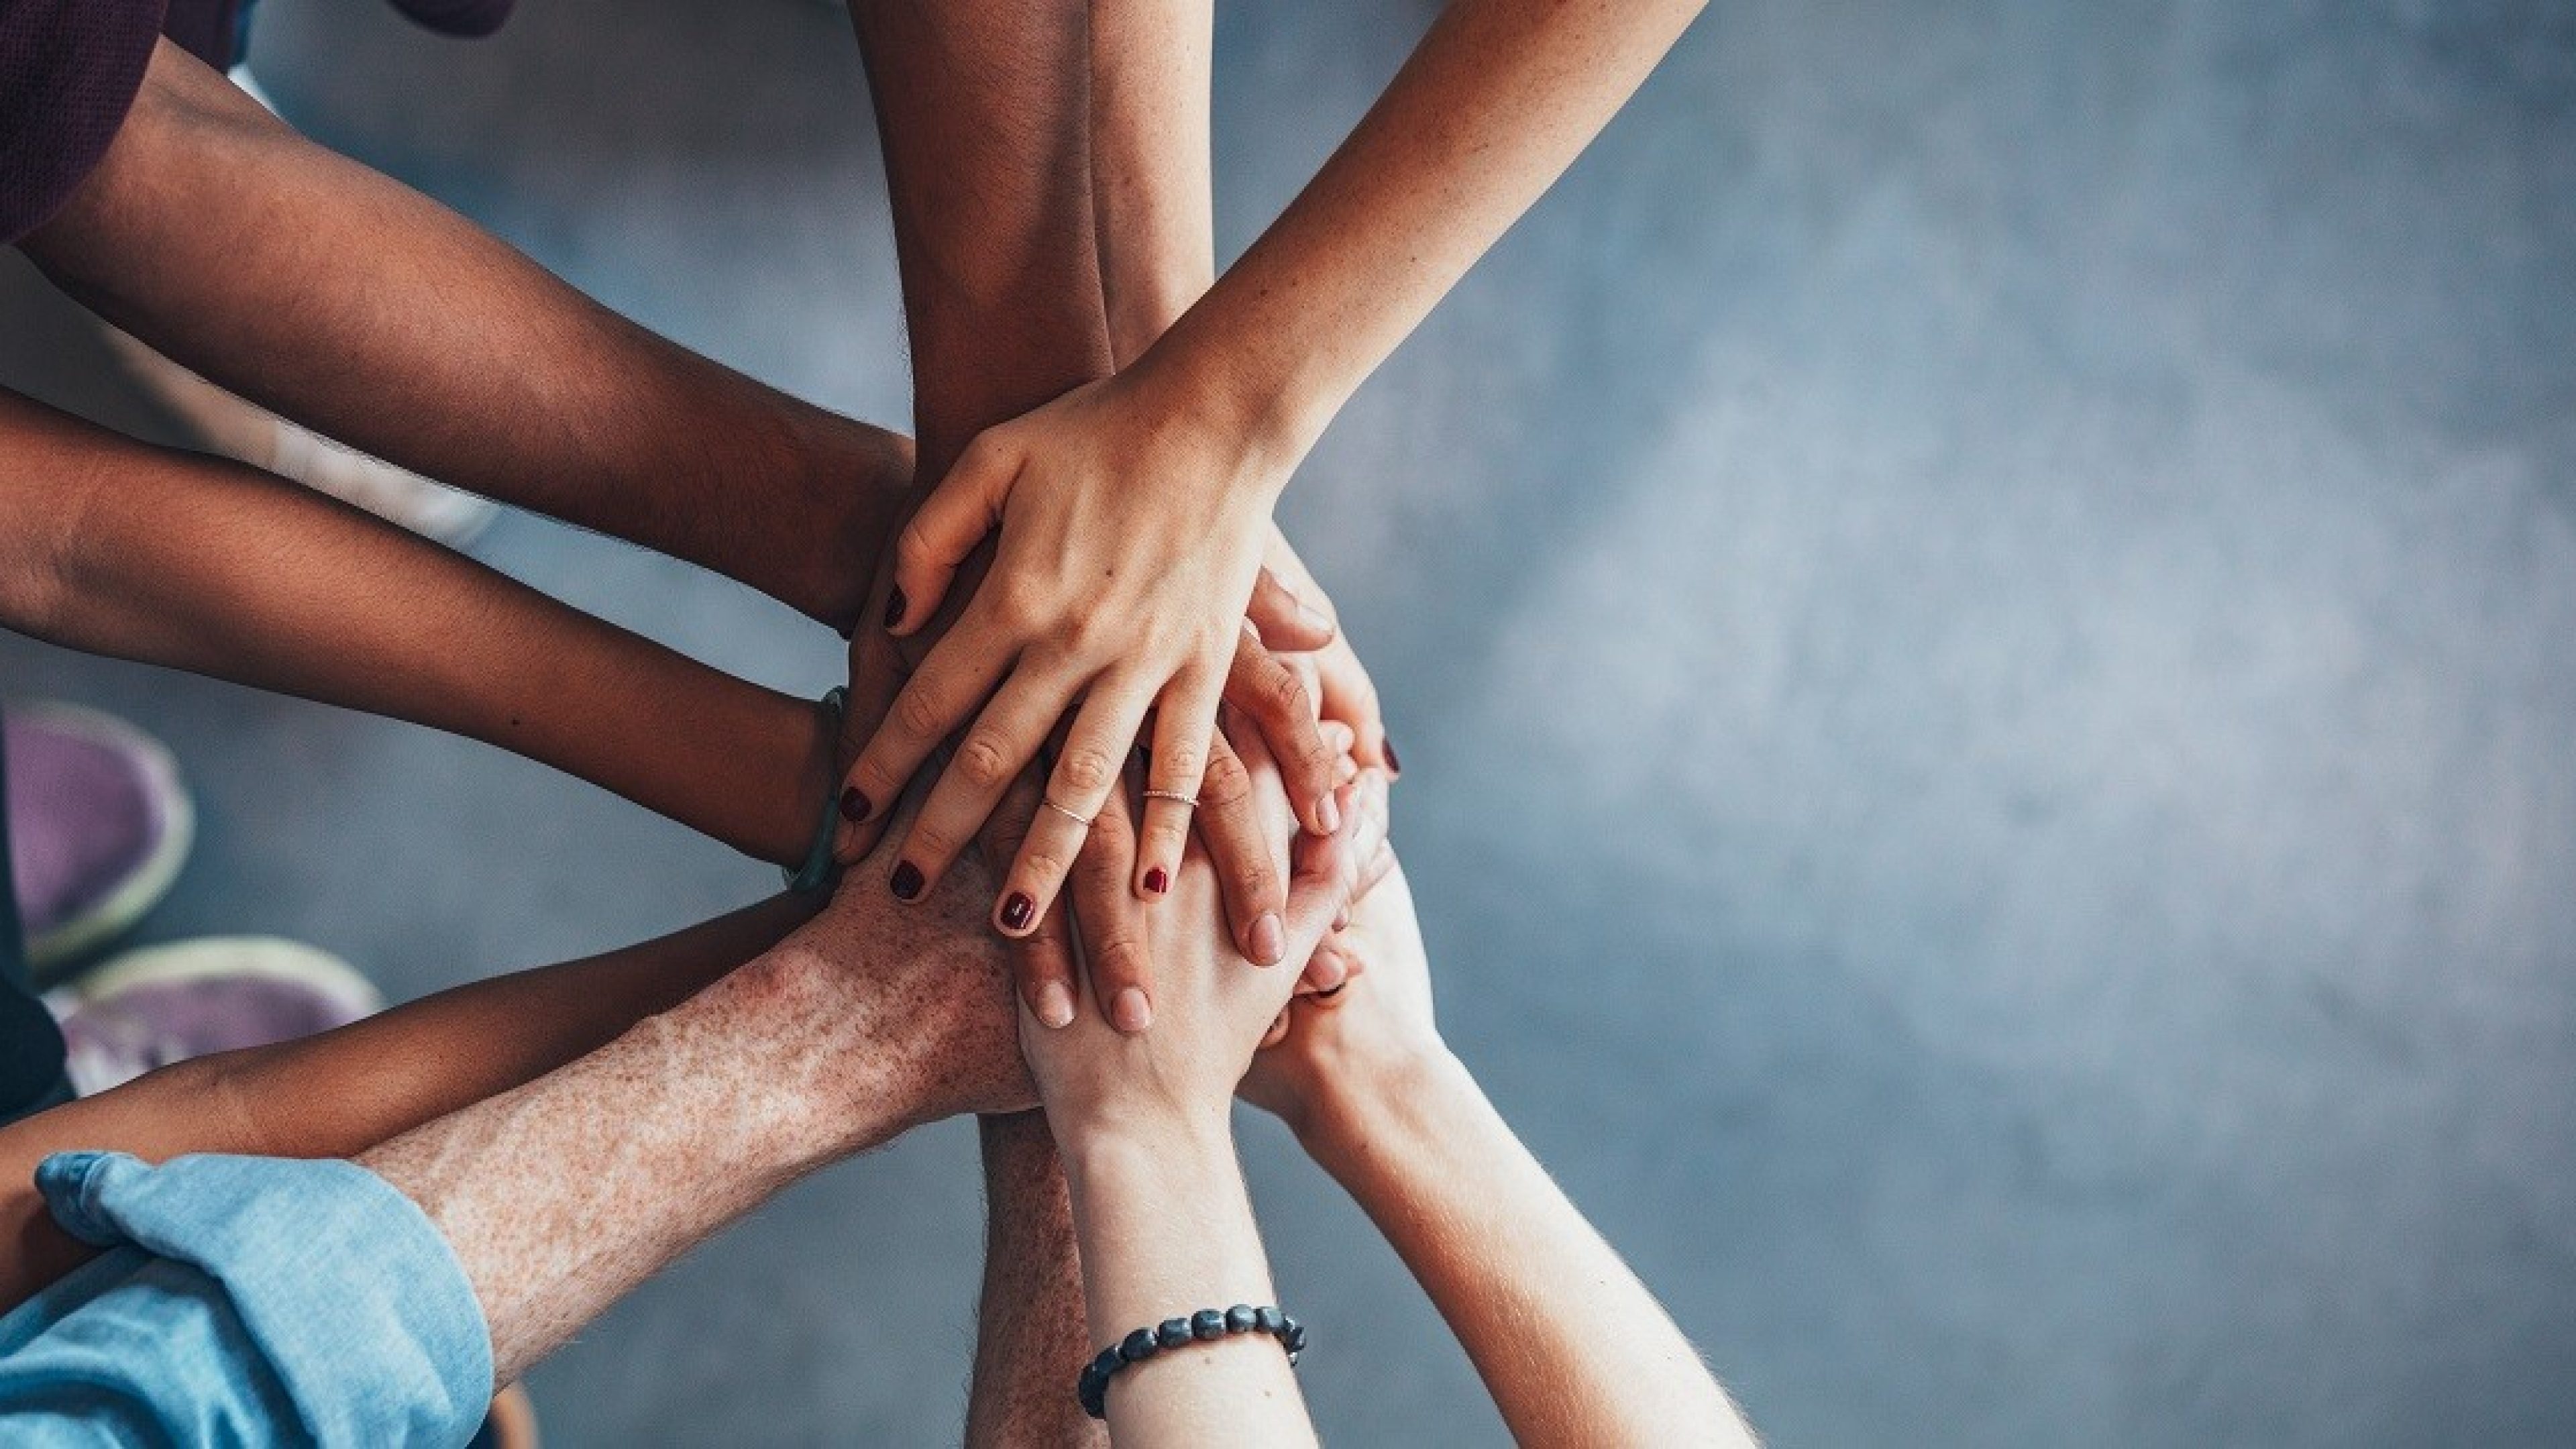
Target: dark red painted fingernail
column 854, row 806
column 1156, row 881
column 906, row 881
column 1016, row 912
column 1394, row 766
column 894, row 607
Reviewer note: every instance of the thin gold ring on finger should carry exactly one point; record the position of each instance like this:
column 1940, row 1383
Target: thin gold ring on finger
column 1082, row 820
column 1175, row 796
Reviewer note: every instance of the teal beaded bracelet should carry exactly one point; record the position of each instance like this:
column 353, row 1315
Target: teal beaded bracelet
column 1206, row 1324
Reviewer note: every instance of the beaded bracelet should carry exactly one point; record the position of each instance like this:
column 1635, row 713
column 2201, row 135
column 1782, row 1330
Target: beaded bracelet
column 1206, row 1324
column 817, row 869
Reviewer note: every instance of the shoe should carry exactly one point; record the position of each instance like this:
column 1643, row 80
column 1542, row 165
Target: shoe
column 98, row 827
column 164, row 1004
column 248, row 433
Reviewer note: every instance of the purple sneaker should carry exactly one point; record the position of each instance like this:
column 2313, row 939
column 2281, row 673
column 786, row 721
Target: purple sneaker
column 165, row 1004
column 98, row 827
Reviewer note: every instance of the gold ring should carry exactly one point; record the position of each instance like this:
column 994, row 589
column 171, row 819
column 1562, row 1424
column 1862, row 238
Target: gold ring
column 1082, row 820
column 1173, row 795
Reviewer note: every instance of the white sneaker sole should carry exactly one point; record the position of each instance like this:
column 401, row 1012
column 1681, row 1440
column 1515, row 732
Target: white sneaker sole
column 270, row 958
column 143, row 888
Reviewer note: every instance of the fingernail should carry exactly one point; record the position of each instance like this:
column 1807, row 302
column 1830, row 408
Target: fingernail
column 1269, row 940
column 1156, row 882
column 906, row 881
column 894, row 607
column 1055, row 1005
column 1330, row 973
column 1394, row 766
column 1328, row 813
column 1312, row 617
column 1017, row 910
column 1131, row 1012
column 854, row 806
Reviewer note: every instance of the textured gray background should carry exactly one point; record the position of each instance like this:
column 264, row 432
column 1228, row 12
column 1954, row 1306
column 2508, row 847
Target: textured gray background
column 1979, row 605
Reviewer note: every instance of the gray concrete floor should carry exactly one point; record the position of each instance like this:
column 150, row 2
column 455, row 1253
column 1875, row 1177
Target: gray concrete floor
column 1979, row 605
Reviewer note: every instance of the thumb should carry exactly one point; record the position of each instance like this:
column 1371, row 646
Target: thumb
column 965, row 506
column 1287, row 624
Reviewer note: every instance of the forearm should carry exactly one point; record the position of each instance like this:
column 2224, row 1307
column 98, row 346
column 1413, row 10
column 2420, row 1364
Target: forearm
column 1150, row 168
column 1495, row 103
column 342, row 1092
column 177, row 559
column 1166, row 1229
column 1573, row 1347
column 350, row 303
column 562, row 1194
column 1031, row 1336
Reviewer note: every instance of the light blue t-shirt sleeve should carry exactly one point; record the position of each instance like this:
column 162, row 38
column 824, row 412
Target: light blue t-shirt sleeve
column 243, row 1300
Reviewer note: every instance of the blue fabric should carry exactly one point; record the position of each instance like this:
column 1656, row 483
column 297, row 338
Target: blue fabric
column 243, row 1301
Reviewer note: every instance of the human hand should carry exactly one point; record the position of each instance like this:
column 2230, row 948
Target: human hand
column 1241, row 845
column 1214, row 1006
column 921, row 992
column 1341, row 685
column 1364, row 1039
column 1128, row 549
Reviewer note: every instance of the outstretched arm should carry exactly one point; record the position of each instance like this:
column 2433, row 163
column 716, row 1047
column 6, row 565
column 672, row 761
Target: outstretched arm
column 352, row 304
column 344, row 1091
column 1573, row 1347
column 115, row 547
column 869, row 1020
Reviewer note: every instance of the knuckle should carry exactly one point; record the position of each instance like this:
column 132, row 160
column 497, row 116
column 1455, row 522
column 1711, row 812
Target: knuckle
column 918, row 715
column 1250, row 878
column 1286, row 693
column 1085, row 769
column 1225, row 782
column 983, row 762
column 1119, row 958
column 912, row 547
column 1176, row 765
column 1043, row 866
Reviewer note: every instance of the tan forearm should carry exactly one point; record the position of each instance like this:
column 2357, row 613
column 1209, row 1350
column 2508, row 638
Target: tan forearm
column 1494, row 104
column 1574, row 1349
column 342, row 1092
column 114, row 547
column 354, row 305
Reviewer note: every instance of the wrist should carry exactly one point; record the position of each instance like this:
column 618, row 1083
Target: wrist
column 1128, row 1141
column 1366, row 1108
column 1260, row 422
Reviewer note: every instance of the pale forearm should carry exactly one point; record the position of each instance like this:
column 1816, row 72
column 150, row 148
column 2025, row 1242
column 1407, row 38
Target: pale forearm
column 114, row 547
column 560, row 1196
column 1150, row 66
column 563, row 1194
column 356, row 306
column 1166, row 1229
column 1495, row 103
column 1031, row 1339
column 342, row 1092
column 1574, row 1349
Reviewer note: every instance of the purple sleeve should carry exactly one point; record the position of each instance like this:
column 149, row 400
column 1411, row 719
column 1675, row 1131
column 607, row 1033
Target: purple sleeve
column 68, row 71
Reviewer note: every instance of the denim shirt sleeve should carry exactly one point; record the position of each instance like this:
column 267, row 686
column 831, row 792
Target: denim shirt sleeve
column 243, row 1300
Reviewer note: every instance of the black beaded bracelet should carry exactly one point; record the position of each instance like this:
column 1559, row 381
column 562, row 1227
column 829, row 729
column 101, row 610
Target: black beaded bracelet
column 1207, row 1323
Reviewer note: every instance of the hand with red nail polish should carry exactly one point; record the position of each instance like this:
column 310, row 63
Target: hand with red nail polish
column 1209, row 1007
